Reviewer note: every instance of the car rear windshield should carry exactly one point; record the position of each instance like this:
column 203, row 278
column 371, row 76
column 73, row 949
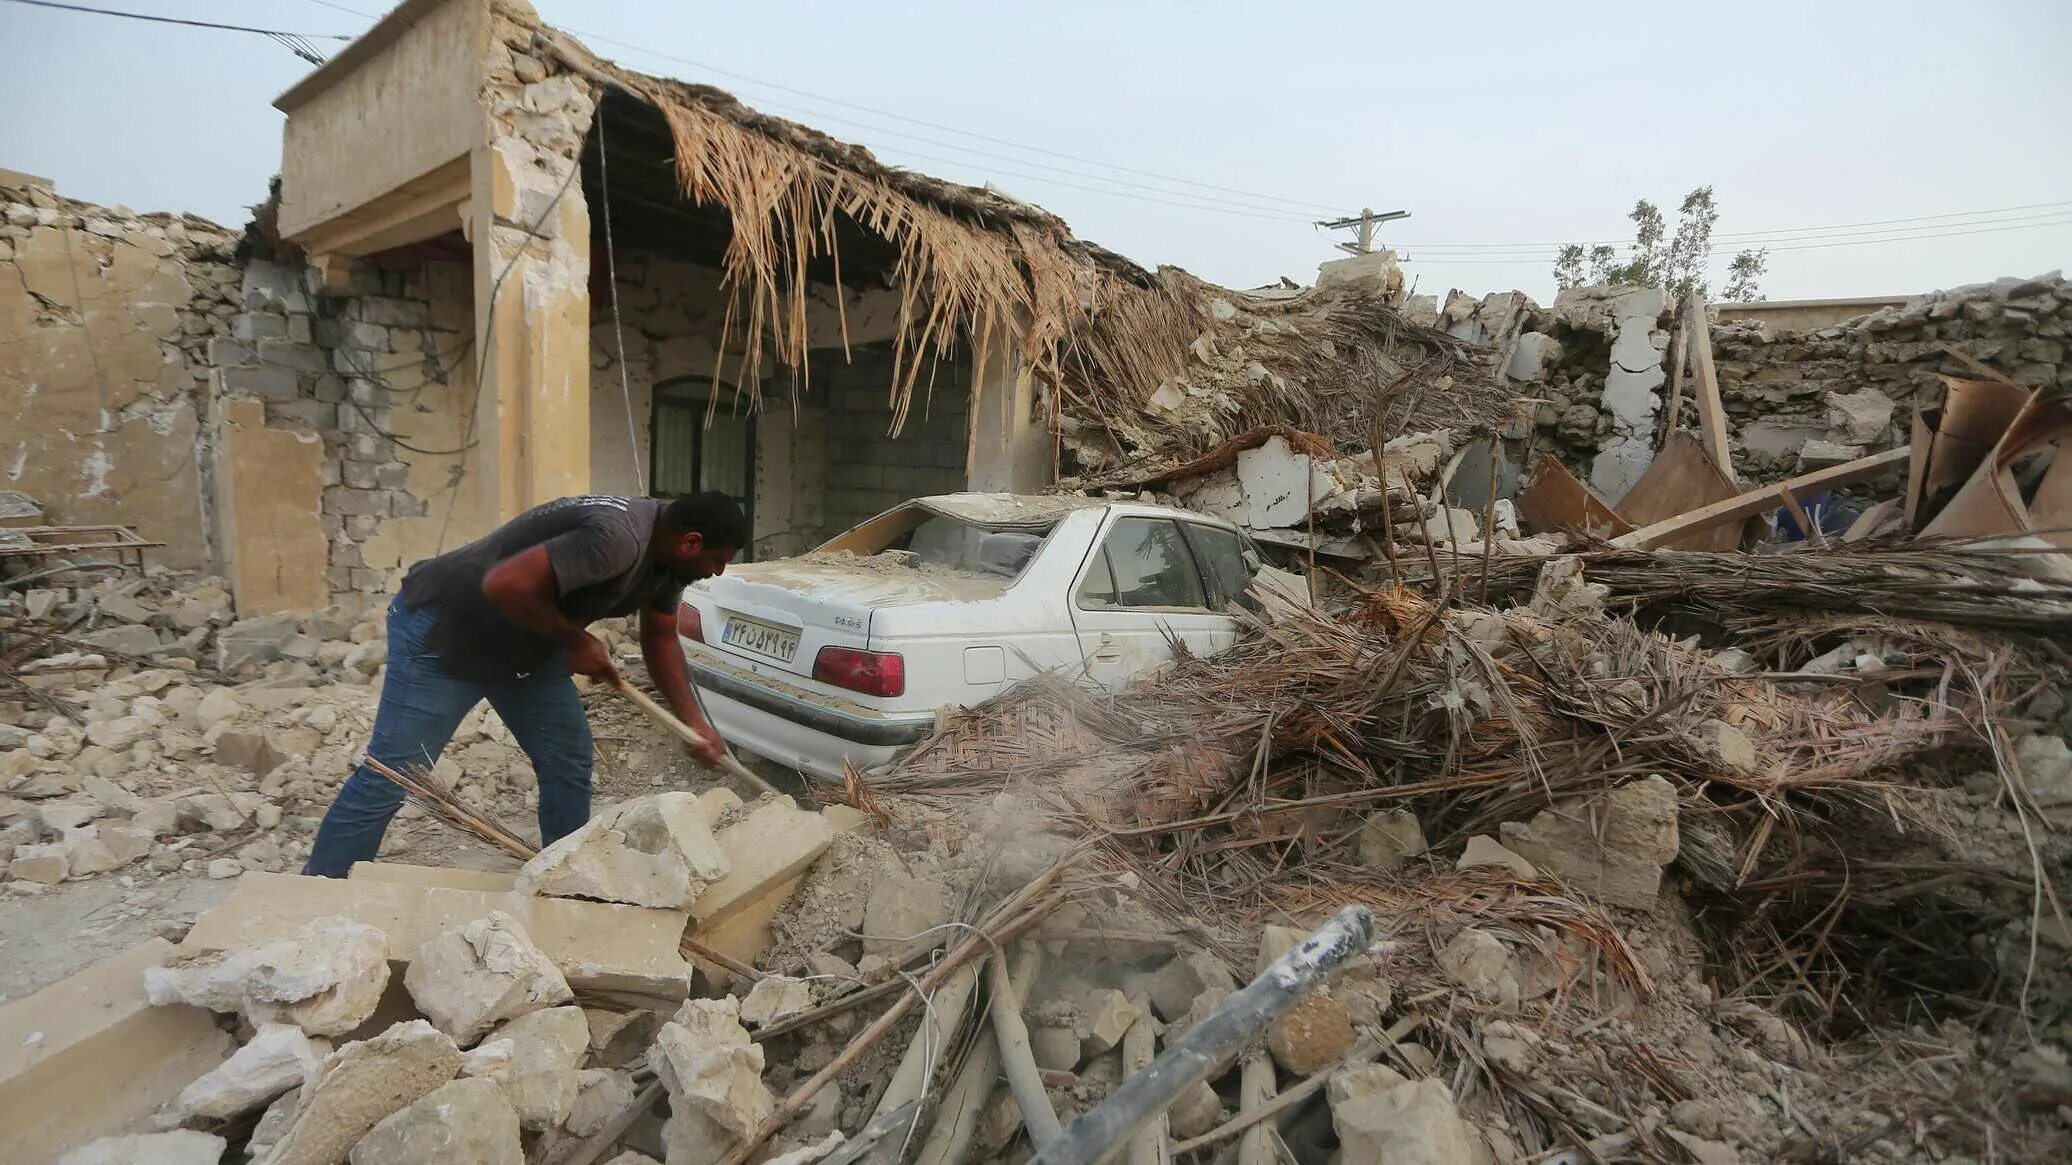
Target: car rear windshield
column 947, row 542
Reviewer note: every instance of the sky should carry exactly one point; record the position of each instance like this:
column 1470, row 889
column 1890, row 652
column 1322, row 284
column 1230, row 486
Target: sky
column 1876, row 150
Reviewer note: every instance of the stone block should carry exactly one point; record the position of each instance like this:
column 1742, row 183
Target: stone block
column 279, row 1057
column 1479, row 963
column 475, row 976
column 90, row 1056
column 773, row 998
column 713, row 1075
column 628, row 950
column 774, row 844
column 1611, row 847
column 1313, row 1036
column 1173, row 988
column 1411, row 1123
column 533, row 1059
column 1484, row 850
column 359, row 1086
column 262, row 383
column 651, row 851
column 900, row 907
column 1390, row 837
column 326, row 977
column 462, row 1122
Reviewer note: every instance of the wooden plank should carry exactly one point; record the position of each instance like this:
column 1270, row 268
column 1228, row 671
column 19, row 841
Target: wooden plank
column 1712, row 414
column 1807, row 530
column 1762, row 500
column 1679, row 356
column 1680, row 479
column 1552, row 499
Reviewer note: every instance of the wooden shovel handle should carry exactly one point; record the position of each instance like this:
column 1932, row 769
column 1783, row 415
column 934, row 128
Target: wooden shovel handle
column 689, row 735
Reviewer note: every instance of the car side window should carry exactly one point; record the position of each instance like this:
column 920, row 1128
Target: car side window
column 1222, row 557
column 1144, row 562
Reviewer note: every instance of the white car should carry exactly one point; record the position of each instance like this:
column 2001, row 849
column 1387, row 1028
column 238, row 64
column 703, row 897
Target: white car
column 846, row 653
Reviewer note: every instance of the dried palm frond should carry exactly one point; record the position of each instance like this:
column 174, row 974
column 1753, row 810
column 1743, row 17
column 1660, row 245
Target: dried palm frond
column 439, row 799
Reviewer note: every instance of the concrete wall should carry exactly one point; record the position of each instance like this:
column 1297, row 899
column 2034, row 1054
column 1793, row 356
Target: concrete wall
column 394, row 106
column 106, row 325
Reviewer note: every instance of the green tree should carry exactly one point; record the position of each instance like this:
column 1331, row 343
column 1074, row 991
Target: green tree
column 1656, row 258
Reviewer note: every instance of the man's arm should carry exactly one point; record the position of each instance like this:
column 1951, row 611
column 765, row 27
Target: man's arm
column 663, row 652
column 524, row 588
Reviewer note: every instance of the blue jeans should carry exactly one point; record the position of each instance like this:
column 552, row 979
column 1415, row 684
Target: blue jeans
column 421, row 705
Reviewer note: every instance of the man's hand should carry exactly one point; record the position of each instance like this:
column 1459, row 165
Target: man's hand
column 588, row 656
column 709, row 749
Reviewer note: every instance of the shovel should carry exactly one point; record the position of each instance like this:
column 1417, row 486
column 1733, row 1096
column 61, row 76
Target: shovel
column 728, row 763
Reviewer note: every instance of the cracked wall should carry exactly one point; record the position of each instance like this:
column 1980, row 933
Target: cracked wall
column 106, row 322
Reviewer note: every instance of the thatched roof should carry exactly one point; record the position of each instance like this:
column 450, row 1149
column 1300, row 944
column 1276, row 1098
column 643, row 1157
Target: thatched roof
column 1111, row 340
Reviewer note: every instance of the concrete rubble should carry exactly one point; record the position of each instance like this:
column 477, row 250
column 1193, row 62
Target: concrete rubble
column 326, row 978
column 462, row 1122
column 279, row 1057
column 651, row 851
column 534, row 1059
column 360, row 1085
column 470, row 979
column 714, row 1078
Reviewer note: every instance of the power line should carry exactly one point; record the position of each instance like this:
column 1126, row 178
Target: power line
column 1541, row 257
column 1769, row 242
column 1179, row 198
column 272, row 32
column 1311, row 207
column 1746, row 234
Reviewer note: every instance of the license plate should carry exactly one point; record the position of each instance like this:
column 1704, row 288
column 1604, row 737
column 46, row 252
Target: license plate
column 760, row 638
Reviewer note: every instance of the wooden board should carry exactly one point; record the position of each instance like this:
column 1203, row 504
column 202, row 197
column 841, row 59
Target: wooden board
column 1712, row 414
column 1681, row 478
column 1763, row 500
column 1552, row 499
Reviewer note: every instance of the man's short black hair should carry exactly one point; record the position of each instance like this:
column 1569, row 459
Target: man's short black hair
column 712, row 514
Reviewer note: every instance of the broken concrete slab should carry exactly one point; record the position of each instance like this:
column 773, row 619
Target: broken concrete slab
column 487, row 970
column 1610, row 846
column 279, row 1057
column 403, row 874
column 713, row 1075
column 630, row 950
column 618, row 1037
column 325, row 976
column 1104, row 1015
column 533, row 1059
column 774, row 997
column 775, row 843
column 462, row 1122
column 90, row 1056
column 360, row 1085
column 650, row 851
column 179, row 1147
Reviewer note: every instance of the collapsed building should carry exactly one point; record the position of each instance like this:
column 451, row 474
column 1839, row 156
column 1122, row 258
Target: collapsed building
column 1546, row 822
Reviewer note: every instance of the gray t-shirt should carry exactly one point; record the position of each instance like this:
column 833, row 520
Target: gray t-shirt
column 598, row 547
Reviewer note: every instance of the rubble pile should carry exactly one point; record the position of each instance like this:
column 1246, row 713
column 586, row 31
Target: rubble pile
column 146, row 731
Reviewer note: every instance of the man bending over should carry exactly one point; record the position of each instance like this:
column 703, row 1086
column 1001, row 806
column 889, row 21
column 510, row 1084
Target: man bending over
column 503, row 619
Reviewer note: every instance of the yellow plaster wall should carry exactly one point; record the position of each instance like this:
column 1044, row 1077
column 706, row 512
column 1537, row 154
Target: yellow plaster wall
column 103, row 323
column 382, row 116
column 269, row 484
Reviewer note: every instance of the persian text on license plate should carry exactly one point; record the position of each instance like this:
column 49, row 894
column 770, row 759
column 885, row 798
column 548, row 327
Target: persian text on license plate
column 761, row 638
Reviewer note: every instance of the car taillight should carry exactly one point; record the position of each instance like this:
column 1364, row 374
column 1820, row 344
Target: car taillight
column 689, row 623
column 874, row 673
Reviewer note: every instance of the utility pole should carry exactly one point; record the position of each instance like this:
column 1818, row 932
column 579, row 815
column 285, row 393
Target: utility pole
column 1366, row 221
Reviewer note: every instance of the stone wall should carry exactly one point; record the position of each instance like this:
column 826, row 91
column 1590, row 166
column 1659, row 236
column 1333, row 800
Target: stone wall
column 366, row 392
column 1795, row 400
column 108, row 323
